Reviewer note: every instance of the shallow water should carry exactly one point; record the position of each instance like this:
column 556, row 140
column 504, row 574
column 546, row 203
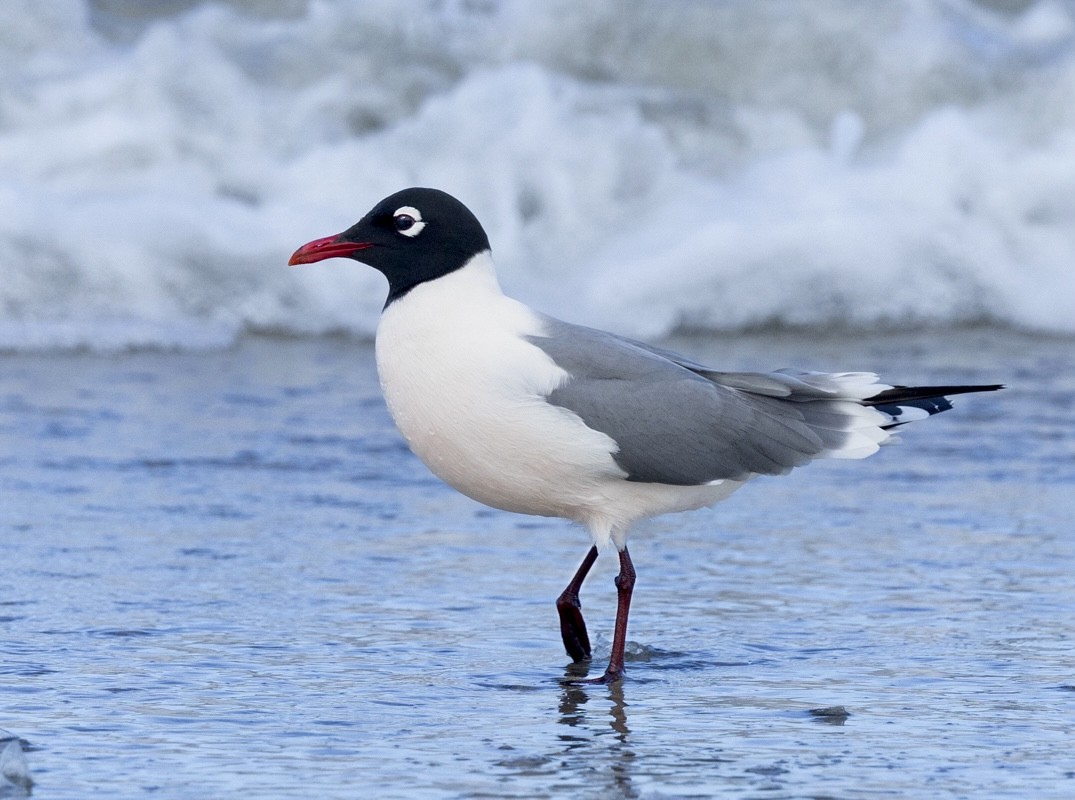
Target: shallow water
column 223, row 573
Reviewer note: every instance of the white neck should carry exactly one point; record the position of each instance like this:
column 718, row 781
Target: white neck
column 474, row 280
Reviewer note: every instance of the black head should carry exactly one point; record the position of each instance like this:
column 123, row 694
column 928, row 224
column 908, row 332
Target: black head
column 412, row 236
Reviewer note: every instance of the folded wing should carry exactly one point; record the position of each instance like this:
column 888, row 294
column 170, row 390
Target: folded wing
column 678, row 422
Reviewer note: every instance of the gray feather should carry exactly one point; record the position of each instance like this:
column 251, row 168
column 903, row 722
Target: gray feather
column 678, row 422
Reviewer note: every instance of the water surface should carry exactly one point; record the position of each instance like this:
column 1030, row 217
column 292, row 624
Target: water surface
column 223, row 573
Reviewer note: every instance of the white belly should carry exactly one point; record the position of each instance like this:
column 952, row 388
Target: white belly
column 468, row 394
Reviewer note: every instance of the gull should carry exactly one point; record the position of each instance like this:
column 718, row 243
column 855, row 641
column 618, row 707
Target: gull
column 526, row 413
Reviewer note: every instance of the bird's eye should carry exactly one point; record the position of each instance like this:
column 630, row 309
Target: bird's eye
column 408, row 221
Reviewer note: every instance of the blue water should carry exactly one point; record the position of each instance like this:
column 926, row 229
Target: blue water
column 223, row 574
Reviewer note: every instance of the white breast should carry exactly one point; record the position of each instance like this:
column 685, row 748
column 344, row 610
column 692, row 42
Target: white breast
column 468, row 394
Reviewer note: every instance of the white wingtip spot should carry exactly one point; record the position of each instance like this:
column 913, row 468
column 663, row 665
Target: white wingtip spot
column 911, row 414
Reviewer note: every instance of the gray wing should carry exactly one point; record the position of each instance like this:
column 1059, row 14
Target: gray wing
column 678, row 422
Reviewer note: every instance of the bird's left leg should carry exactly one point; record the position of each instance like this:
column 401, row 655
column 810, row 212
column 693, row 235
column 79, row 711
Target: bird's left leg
column 569, row 607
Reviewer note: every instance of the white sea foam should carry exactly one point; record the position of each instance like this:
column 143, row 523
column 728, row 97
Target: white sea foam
column 730, row 165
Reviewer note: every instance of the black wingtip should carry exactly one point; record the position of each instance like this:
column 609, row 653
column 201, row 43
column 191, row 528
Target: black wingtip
column 931, row 399
column 908, row 394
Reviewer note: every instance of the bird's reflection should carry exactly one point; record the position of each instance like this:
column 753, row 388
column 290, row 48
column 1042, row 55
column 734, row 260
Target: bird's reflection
column 617, row 758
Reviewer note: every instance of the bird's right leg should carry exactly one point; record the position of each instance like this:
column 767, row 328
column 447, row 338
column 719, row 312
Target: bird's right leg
column 569, row 607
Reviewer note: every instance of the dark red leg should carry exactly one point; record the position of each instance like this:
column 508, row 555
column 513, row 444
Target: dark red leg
column 625, row 584
column 568, row 605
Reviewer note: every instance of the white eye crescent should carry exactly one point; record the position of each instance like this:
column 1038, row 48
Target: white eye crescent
column 408, row 221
